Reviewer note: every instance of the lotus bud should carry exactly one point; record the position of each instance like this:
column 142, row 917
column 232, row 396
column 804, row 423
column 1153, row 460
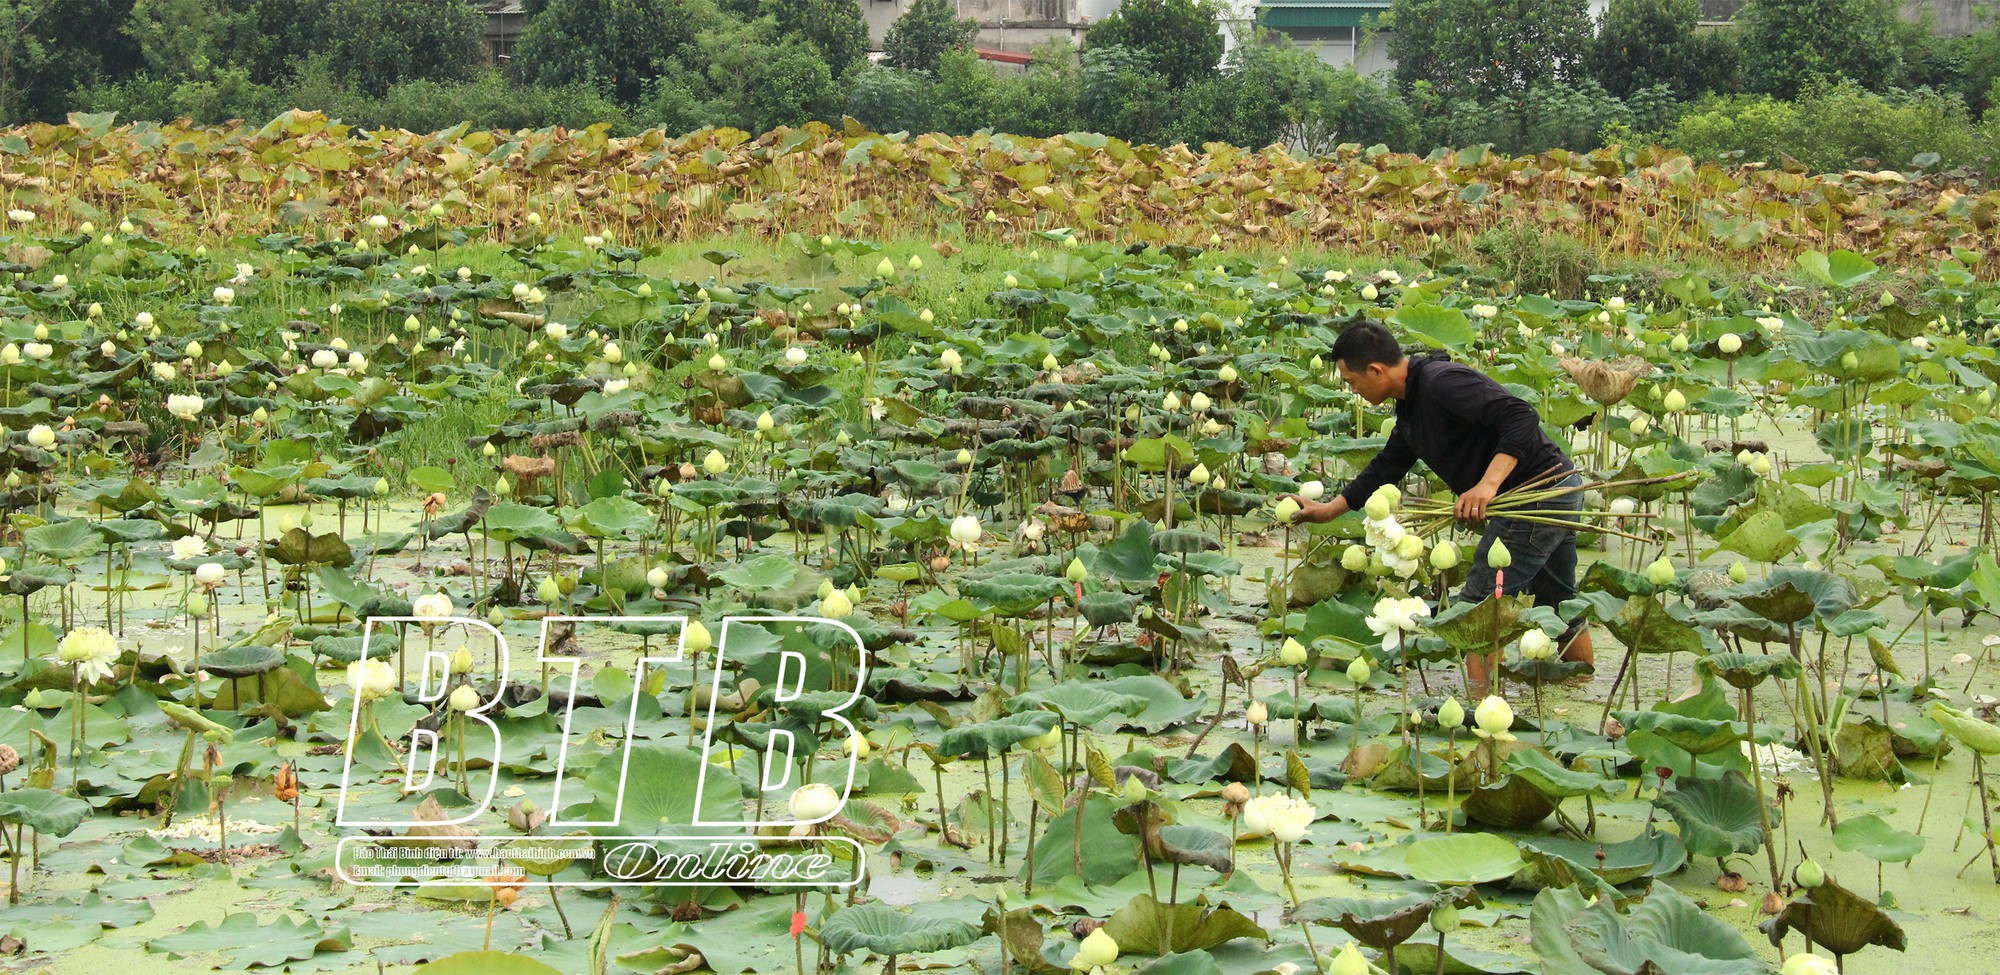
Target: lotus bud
column 1444, row 557
column 965, row 529
column 464, row 698
column 1739, row 573
column 1640, row 425
column 549, row 591
column 1850, row 362
column 1049, row 363
column 1493, row 717
column 1258, row 713
column 836, row 605
column 696, row 638
column 1011, row 281
column 1451, row 714
column 1497, row 556
column 1809, row 874
column 1292, row 653
column 1354, row 558
column 886, row 269
column 1227, row 373
column 1199, row 475
column 1285, row 510
column 1536, row 645
column 1312, row 490
column 1170, row 402
column 488, row 450
column 1660, row 572
column 765, row 424
column 503, row 487
column 714, row 463
column 1444, row 918
column 1730, row 344
column 1674, row 402
column 40, row 435
column 461, row 660
column 1348, row 962
column 1357, row 671
column 964, row 457
column 1369, row 292
column 656, row 577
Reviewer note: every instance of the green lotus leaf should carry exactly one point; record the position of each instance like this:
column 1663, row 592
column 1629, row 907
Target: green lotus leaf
column 1645, row 625
column 1473, row 627
column 64, row 541
column 1554, row 780
column 1792, row 595
column 1184, row 541
column 1836, row 919
column 887, row 931
column 1555, row 862
column 1013, row 593
column 300, row 547
column 988, row 739
column 1980, row 736
column 513, row 522
column 1196, row 846
column 1510, row 802
column 245, row 661
column 1080, row 703
column 1873, row 837
column 1107, row 608
column 1717, row 816
column 547, row 856
column 1697, row 736
column 1381, row 924
column 1665, row 932
column 30, row 579
column 610, row 517
column 45, row 812
column 485, row 963
column 1744, row 671
column 1138, row 926
column 1462, row 859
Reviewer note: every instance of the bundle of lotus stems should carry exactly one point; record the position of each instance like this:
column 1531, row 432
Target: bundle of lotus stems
column 1529, row 501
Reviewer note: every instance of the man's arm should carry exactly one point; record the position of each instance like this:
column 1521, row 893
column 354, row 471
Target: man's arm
column 1390, row 464
column 1472, row 504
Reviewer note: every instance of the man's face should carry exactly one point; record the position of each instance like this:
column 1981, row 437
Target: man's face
column 1371, row 381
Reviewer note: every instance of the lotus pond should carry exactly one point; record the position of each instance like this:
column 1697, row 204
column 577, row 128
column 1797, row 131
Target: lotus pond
column 1116, row 713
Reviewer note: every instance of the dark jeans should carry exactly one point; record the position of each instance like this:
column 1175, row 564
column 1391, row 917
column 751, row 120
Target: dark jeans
column 1544, row 555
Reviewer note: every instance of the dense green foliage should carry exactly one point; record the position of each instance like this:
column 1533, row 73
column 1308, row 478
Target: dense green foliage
column 1827, row 82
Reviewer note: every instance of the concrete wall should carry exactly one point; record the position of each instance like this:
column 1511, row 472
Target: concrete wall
column 1009, row 25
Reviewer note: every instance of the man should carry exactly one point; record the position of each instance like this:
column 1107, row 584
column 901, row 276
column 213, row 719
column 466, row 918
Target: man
column 1482, row 440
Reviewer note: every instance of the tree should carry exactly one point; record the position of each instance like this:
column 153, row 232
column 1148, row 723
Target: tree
column 1789, row 45
column 380, row 43
column 1644, row 43
column 1483, row 48
column 1180, row 38
column 836, row 27
column 49, row 48
column 615, row 46
column 919, row 38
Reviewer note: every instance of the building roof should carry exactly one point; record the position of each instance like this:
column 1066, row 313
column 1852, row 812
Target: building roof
column 1319, row 13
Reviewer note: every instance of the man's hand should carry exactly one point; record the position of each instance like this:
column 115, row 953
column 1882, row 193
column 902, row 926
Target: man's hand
column 1317, row 511
column 1472, row 504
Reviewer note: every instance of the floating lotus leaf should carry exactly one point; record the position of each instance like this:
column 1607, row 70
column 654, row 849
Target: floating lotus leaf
column 513, row 522
column 1476, row 627
column 1744, row 671
column 1013, row 593
column 1463, row 858
column 247, row 661
column 1554, row 780
column 64, row 541
column 1836, row 919
column 1195, row 926
column 1717, row 816
column 1510, row 802
column 1645, row 625
column 1873, row 837
column 1107, row 608
column 1381, row 924
column 1789, row 596
column 1196, row 846
column 1665, row 932
column 1080, row 703
column 1556, row 862
column 300, row 547
column 887, row 931
column 611, row 517
column 987, row 739
column 1184, row 541
column 1697, row 736
column 45, row 812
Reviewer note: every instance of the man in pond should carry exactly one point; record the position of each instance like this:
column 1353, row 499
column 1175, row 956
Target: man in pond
column 1482, row 441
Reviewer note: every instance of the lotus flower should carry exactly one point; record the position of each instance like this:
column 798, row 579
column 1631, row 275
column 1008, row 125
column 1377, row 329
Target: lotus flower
column 464, row 698
column 965, row 529
column 1097, row 951
column 189, row 547
column 208, row 574
column 1493, row 719
column 436, row 605
column 91, row 649
column 185, row 406
column 371, row 679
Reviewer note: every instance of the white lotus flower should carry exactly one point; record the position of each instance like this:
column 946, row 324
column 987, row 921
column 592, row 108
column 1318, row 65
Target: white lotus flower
column 209, row 574
column 814, row 801
column 371, row 678
column 965, row 529
column 185, row 406
column 189, row 547
column 436, row 605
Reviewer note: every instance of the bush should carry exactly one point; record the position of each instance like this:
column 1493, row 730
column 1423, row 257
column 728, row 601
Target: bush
column 1043, row 101
column 1367, row 110
column 1789, row 46
column 919, row 38
column 1122, row 95
column 1549, row 118
column 1830, row 128
column 1540, row 261
column 891, row 100
column 488, row 102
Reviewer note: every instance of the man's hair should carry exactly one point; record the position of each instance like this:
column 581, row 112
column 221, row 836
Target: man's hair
column 1365, row 343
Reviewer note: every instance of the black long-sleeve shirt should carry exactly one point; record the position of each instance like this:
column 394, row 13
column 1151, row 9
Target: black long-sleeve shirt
column 1455, row 419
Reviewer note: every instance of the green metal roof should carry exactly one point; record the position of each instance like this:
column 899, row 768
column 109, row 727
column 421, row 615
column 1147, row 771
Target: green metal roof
column 1318, row 13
